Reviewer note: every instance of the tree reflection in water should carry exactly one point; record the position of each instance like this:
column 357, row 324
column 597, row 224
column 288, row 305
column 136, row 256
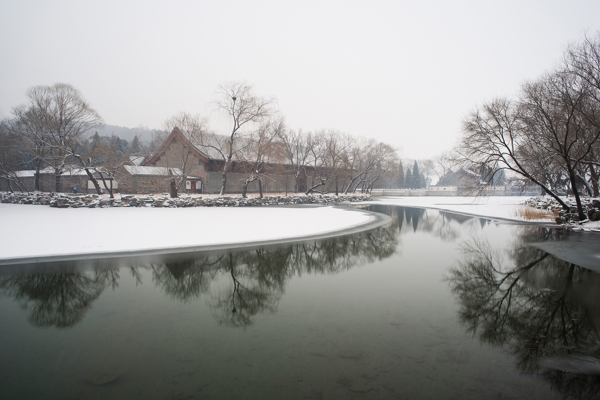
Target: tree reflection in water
column 542, row 308
column 185, row 279
column 60, row 299
column 257, row 278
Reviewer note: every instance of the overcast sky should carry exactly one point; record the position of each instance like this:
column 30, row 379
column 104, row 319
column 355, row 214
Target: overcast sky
column 403, row 72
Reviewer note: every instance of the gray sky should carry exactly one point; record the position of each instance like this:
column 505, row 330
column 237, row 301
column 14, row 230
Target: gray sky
column 403, row 72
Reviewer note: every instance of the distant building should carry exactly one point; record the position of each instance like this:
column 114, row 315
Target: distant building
column 202, row 168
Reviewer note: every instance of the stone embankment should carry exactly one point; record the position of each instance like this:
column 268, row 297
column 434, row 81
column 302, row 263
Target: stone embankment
column 62, row 200
column 591, row 208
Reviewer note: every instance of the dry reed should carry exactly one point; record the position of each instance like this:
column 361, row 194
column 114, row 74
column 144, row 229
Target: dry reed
column 530, row 213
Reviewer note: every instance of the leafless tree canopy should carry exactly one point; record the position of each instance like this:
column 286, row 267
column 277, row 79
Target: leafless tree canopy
column 244, row 108
column 259, row 145
column 548, row 136
column 51, row 124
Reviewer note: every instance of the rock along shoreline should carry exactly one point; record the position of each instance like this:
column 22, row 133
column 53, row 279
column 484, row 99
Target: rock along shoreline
column 63, row 200
column 591, row 208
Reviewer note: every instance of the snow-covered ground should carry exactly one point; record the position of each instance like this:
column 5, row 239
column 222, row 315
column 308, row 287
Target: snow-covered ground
column 501, row 207
column 31, row 231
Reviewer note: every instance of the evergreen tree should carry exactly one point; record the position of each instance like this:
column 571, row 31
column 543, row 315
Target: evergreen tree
column 408, row 179
column 135, row 145
column 416, row 177
column 401, row 181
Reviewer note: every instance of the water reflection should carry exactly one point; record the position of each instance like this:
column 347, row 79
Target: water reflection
column 60, row 299
column 256, row 278
column 545, row 310
column 372, row 332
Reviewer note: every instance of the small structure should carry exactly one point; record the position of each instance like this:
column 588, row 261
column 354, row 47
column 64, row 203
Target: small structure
column 70, row 177
column 142, row 179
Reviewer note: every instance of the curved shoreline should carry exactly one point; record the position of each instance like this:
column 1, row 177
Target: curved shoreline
column 374, row 220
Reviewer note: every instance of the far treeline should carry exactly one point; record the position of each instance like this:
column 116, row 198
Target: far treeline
column 55, row 131
column 548, row 135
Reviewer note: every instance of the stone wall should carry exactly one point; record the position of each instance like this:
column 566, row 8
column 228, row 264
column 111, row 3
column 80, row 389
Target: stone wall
column 62, row 200
column 48, row 183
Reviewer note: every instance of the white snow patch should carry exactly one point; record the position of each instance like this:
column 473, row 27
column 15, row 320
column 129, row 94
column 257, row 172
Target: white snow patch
column 504, row 207
column 37, row 231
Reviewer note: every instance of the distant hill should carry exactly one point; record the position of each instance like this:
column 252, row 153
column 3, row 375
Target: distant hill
column 144, row 134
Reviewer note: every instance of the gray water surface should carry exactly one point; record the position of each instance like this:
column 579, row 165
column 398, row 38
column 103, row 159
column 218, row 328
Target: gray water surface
column 435, row 305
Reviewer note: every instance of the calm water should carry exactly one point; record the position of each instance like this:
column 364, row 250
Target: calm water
column 436, row 305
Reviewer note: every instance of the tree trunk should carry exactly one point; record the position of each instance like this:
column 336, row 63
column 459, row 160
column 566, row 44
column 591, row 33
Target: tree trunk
column 56, row 182
column 223, row 184
column 173, row 188
column 225, row 170
column 594, row 181
column 94, row 181
column 245, row 188
column 90, row 175
column 260, row 188
column 322, row 182
column 109, row 189
column 580, row 212
column 36, row 180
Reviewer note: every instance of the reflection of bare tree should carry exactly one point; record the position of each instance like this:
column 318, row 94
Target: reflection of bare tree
column 255, row 287
column 59, row 299
column 257, row 278
column 185, row 279
column 540, row 307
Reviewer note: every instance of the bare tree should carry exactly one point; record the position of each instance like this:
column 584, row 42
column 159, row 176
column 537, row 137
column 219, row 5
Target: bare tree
column 494, row 135
column 557, row 111
column 244, row 108
column 337, row 146
column 368, row 160
column 427, row 168
column 29, row 124
column 10, row 157
column 296, row 152
column 582, row 60
column 107, row 158
column 262, row 152
column 442, row 164
column 51, row 124
column 317, row 157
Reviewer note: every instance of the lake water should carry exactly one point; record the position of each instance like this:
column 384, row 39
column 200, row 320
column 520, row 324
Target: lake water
column 435, row 305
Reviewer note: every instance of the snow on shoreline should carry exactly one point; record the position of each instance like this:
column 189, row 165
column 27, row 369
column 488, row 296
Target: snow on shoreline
column 500, row 207
column 503, row 207
column 31, row 231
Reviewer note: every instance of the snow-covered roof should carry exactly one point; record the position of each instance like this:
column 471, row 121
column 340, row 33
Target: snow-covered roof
column 24, row 174
column 74, row 171
column 68, row 170
column 137, row 160
column 160, row 171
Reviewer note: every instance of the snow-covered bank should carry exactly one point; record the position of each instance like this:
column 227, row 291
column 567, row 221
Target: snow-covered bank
column 30, row 231
column 500, row 207
column 503, row 207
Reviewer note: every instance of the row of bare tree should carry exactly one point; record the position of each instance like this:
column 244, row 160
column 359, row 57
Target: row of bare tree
column 549, row 135
column 264, row 148
column 49, row 131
